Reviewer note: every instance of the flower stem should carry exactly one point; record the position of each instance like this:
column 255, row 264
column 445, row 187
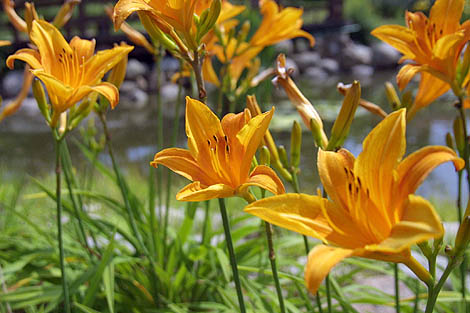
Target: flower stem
column 397, row 288
column 196, row 64
column 233, row 261
column 65, row 287
column 272, row 259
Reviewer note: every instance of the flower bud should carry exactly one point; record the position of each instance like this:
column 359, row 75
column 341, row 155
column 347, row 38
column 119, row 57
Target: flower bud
column 295, row 144
column 65, row 13
column 208, row 19
column 283, row 156
column 264, row 156
column 30, row 15
column 463, row 236
column 118, row 72
column 459, row 135
column 450, row 141
column 345, row 117
column 15, row 20
column 40, row 96
column 392, row 96
column 155, row 33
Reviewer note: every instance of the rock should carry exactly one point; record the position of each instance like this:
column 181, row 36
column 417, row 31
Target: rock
column 355, row 54
column 332, row 46
column 316, row 74
column 306, row 59
column 132, row 97
column 169, row 92
column 170, row 65
column 330, row 65
column 384, row 55
column 12, row 83
column 301, row 45
column 135, row 69
column 286, row 47
column 362, row 71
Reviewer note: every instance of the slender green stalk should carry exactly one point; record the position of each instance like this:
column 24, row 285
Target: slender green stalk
column 417, row 292
column 196, row 64
column 328, row 294
column 65, row 288
column 158, row 171
column 169, row 175
column 272, row 259
column 397, row 287
column 233, row 261
column 206, row 223
column 68, row 180
column 463, row 266
column 433, row 291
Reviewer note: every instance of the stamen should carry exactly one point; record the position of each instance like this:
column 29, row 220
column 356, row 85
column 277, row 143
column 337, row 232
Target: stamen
column 215, row 138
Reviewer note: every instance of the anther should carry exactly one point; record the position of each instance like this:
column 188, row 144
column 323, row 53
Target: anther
column 215, row 138
column 225, row 137
column 350, row 187
column 209, row 142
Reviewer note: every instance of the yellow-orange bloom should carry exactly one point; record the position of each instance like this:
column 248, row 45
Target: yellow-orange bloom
column 220, row 154
column 69, row 71
column 434, row 44
column 4, row 43
column 371, row 212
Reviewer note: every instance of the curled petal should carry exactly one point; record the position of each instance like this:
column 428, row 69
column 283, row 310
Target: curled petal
column 29, row 56
column 264, row 177
column 418, row 223
column 320, row 261
column 196, row 192
column 399, row 37
column 406, row 73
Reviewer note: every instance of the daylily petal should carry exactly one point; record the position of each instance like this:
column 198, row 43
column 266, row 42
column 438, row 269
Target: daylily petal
column 181, row 162
column 102, row 62
column 399, row 37
column 208, row 72
column 320, row 261
column 250, row 137
column 195, row 192
column 264, row 177
column 124, row 8
column 84, row 48
column 109, row 91
column 58, row 92
column 416, row 167
column 297, row 212
column 445, row 14
column 5, row 43
column 29, row 56
column 430, row 88
column 383, row 148
column 419, row 222
column 50, row 43
column 406, row 73
column 14, row 105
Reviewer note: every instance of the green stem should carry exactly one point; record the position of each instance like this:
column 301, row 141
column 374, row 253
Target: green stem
column 141, row 248
column 233, row 261
column 68, row 180
column 463, row 266
column 206, row 224
column 65, row 287
column 433, row 291
column 272, row 259
column 417, row 292
column 397, row 287
column 158, row 171
column 197, row 68
column 328, row 294
column 174, row 137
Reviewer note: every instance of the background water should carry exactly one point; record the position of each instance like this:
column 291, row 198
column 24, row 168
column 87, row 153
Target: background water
column 29, row 150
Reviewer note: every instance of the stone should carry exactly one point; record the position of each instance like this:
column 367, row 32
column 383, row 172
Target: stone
column 355, row 54
column 132, row 97
column 135, row 69
column 330, row 65
column 286, row 47
column 362, row 71
column 316, row 74
column 384, row 55
column 12, row 83
column 169, row 92
column 306, row 59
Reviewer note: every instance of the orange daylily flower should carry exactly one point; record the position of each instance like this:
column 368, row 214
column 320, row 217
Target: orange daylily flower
column 4, row 43
column 220, row 154
column 70, row 71
column 434, row 44
column 372, row 211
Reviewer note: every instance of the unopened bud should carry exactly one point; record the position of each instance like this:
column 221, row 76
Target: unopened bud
column 437, row 244
column 283, row 156
column 459, row 135
column 118, row 72
column 40, row 96
column 156, row 33
column 30, row 15
column 65, row 13
column 244, row 31
column 345, row 117
column 450, row 141
column 82, row 111
column 208, row 19
column 295, row 144
column 264, row 156
column 463, row 236
column 392, row 96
